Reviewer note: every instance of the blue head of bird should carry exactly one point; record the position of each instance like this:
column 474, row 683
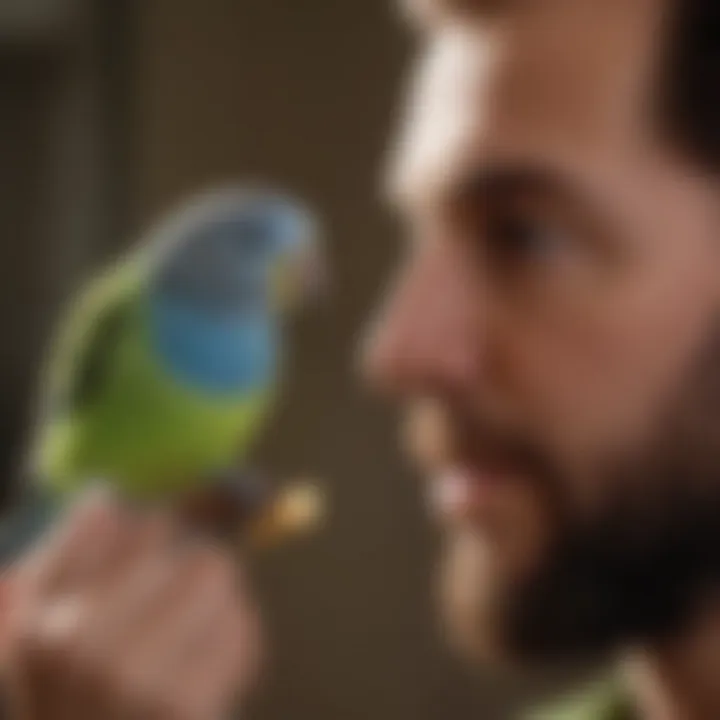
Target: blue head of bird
column 228, row 268
column 238, row 251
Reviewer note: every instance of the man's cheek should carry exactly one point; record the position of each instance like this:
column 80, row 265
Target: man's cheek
column 576, row 406
column 557, row 388
column 602, row 385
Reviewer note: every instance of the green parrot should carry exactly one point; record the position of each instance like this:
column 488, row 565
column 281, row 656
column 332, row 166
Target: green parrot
column 166, row 367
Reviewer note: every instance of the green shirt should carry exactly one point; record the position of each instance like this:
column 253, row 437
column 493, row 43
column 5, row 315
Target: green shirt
column 603, row 700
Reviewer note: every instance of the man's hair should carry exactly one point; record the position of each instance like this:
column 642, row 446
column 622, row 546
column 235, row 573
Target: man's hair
column 689, row 108
column 424, row 10
column 691, row 80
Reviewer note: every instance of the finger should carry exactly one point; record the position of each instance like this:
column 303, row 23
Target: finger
column 77, row 542
column 178, row 612
column 6, row 602
column 226, row 666
column 121, row 600
column 227, row 657
column 72, row 637
column 41, row 659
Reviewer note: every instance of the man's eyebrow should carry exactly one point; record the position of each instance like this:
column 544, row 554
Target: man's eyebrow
column 493, row 181
column 502, row 179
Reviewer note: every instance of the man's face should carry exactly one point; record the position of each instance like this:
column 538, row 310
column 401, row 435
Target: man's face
column 553, row 331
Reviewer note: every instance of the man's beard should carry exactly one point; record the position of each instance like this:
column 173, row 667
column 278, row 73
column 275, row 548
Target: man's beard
column 647, row 559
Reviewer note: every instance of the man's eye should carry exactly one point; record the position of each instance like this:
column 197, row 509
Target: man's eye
column 517, row 240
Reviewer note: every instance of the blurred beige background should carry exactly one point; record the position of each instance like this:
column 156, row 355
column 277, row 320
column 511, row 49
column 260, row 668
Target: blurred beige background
column 113, row 111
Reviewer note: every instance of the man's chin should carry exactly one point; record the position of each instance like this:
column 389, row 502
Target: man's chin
column 471, row 591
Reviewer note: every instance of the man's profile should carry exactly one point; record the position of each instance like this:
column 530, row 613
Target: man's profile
column 554, row 333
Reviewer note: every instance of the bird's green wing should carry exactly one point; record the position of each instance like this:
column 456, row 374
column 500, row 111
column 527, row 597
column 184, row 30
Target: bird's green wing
column 83, row 352
column 93, row 357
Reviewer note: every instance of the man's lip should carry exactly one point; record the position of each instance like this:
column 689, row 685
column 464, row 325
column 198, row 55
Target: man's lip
column 463, row 492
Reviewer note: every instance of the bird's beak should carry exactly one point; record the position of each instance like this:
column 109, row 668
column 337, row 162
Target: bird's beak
column 302, row 280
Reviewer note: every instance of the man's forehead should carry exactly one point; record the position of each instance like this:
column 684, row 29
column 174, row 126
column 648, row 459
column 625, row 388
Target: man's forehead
column 444, row 111
column 553, row 76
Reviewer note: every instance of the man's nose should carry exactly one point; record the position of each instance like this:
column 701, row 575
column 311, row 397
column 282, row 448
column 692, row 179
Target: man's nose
column 426, row 338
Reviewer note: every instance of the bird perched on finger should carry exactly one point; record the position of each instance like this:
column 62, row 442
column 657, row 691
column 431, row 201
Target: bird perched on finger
column 167, row 366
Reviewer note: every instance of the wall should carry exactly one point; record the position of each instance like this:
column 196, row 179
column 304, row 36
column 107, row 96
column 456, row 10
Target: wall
column 304, row 93
column 56, row 217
